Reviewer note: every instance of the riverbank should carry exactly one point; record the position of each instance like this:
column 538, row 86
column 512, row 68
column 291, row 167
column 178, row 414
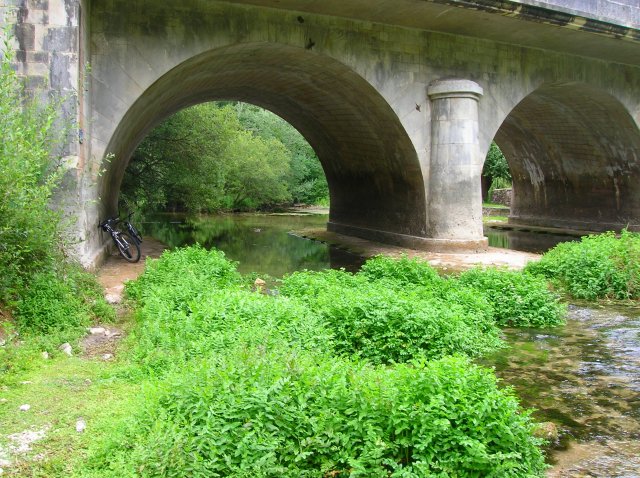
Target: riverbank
column 451, row 262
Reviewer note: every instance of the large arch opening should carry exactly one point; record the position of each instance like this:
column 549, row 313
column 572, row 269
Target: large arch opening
column 371, row 166
column 574, row 156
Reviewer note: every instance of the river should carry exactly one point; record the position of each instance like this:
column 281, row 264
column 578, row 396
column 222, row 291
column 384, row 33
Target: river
column 584, row 377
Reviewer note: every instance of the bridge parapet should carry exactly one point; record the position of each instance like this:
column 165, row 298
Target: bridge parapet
column 619, row 12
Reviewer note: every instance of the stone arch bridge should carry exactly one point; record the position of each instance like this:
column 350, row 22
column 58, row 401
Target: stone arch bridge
column 400, row 99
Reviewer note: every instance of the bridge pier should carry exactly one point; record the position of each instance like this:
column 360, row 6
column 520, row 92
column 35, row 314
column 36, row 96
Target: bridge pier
column 455, row 199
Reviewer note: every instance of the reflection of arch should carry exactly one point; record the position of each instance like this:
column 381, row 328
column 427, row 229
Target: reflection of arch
column 370, row 163
column 574, row 154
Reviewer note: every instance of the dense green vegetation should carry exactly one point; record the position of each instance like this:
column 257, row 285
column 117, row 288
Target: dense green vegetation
column 599, row 266
column 495, row 172
column 50, row 298
column 223, row 156
column 240, row 383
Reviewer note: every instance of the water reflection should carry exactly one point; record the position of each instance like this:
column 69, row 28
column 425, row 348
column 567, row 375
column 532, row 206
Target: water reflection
column 259, row 242
column 536, row 242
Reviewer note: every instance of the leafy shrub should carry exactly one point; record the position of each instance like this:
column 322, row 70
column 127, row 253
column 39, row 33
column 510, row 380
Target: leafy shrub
column 599, row 266
column 183, row 274
column 404, row 271
column 518, row 299
column 55, row 301
column 28, row 178
column 385, row 322
column 249, row 385
column 48, row 305
column 219, row 320
column 290, row 414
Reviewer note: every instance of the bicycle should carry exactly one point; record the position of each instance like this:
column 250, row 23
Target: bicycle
column 127, row 245
column 133, row 232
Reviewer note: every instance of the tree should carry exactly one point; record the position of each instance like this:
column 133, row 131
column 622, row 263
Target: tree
column 221, row 156
column 495, row 172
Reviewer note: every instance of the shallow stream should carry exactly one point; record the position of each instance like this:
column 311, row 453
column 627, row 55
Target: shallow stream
column 584, row 377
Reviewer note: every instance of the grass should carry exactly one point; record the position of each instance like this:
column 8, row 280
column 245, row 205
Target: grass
column 490, row 219
column 494, row 205
column 61, row 392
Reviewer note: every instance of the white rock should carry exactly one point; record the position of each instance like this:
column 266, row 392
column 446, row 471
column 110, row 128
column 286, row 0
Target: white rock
column 97, row 330
column 3, row 400
column 45, row 355
column 107, row 356
column 26, row 382
column 25, row 408
column 81, row 425
column 113, row 298
column 67, row 349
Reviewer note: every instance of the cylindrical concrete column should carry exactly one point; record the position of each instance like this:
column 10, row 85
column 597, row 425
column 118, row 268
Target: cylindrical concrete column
column 455, row 198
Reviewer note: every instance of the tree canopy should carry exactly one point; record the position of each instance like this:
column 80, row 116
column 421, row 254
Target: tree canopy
column 223, row 156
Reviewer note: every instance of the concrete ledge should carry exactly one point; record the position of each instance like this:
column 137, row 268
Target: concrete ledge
column 413, row 242
column 570, row 227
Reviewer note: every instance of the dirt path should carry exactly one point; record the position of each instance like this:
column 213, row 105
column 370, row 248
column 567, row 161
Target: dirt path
column 115, row 271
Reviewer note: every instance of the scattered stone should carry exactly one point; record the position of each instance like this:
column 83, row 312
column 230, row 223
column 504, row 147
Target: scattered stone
column 67, row 349
column 25, row 408
column 45, row 355
column 81, row 425
column 88, row 381
column 3, row 400
column 97, row 330
column 26, row 382
column 546, row 430
column 108, row 333
column 113, row 298
column 107, row 357
column 20, row 443
column 260, row 285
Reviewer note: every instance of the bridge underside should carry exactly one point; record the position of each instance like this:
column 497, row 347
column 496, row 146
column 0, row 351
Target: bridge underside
column 574, row 154
column 370, row 163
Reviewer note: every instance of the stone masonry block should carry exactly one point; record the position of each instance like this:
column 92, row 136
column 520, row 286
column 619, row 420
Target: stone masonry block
column 61, row 39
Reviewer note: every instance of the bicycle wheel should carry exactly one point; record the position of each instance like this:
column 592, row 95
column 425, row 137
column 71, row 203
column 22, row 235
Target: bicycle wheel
column 128, row 248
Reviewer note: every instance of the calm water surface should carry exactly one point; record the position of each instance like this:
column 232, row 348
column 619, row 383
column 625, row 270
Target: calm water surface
column 584, row 377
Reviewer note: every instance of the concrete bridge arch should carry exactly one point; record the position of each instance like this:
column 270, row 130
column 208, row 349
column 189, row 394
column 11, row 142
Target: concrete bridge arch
column 371, row 164
column 573, row 149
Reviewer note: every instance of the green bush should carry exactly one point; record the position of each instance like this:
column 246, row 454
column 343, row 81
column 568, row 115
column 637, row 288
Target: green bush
column 49, row 305
column 386, row 321
column 55, row 301
column 518, row 299
column 29, row 174
column 404, row 271
column 244, row 384
column 283, row 413
column 219, row 320
column 183, row 274
column 599, row 266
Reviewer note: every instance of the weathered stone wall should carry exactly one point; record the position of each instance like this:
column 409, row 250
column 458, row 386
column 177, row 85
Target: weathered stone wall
column 46, row 37
column 501, row 196
column 46, row 44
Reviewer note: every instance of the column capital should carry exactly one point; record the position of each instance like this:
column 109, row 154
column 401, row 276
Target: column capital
column 454, row 88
